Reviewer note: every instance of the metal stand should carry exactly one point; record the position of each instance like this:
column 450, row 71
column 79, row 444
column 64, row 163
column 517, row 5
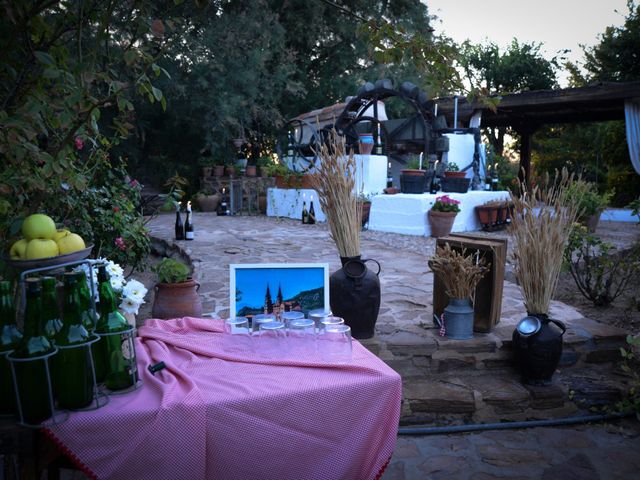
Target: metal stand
column 129, row 353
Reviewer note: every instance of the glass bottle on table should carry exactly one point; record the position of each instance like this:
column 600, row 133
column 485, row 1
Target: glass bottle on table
column 87, row 312
column 312, row 213
column 9, row 339
column 72, row 370
column 52, row 319
column 305, row 213
column 115, row 365
column 31, row 376
column 188, row 224
column 179, row 227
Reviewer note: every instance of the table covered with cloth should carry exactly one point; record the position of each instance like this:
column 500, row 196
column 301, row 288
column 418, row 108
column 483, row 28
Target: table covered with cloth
column 216, row 415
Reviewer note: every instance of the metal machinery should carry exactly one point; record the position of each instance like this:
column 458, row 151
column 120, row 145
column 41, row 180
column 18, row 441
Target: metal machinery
column 419, row 131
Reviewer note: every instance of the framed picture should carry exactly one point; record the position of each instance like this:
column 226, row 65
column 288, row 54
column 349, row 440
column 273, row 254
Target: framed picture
column 277, row 287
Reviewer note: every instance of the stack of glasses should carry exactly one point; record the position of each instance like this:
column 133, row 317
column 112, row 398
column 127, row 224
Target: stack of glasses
column 292, row 336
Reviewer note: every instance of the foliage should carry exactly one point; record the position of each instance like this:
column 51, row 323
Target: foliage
column 590, row 202
column 460, row 273
column 635, row 208
column 615, row 58
column 171, row 271
column 452, row 167
column 630, row 365
column 445, row 203
column 600, row 275
column 519, row 68
column 68, row 78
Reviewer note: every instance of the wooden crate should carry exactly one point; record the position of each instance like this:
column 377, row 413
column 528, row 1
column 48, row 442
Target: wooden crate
column 488, row 304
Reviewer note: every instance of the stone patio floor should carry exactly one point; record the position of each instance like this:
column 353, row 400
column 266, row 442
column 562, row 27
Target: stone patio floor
column 408, row 342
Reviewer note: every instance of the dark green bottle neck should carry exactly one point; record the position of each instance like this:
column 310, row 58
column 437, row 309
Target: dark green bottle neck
column 107, row 298
column 33, row 315
column 72, row 308
column 7, row 309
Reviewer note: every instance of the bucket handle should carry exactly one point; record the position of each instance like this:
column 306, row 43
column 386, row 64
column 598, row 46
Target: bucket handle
column 377, row 263
column 559, row 324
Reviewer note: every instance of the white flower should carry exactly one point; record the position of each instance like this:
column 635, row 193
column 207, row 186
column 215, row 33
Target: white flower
column 114, row 269
column 134, row 289
column 117, row 283
column 129, row 305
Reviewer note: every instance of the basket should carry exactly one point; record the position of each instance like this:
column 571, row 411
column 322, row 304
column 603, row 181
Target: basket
column 455, row 185
column 412, row 183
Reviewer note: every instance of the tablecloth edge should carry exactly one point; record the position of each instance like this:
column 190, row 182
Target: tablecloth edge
column 67, row 452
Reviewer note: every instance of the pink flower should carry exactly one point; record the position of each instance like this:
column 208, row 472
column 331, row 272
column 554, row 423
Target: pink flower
column 120, row 243
column 79, row 143
column 116, row 209
column 134, row 183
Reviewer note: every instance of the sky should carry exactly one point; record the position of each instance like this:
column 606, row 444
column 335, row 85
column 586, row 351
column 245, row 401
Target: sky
column 558, row 24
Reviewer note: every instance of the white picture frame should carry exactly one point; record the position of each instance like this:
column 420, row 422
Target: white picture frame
column 302, row 286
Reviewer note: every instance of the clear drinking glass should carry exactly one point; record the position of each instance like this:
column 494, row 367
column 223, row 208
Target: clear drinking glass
column 237, row 335
column 287, row 317
column 302, row 337
column 270, row 341
column 335, row 344
column 329, row 321
column 262, row 318
column 318, row 315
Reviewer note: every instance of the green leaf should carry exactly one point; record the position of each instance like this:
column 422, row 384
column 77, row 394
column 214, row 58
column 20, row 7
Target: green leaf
column 156, row 69
column 163, row 102
column 157, row 93
column 51, row 73
column 130, row 57
column 45, row 58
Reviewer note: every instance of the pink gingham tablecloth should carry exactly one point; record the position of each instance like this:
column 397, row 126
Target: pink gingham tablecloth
column 214, row 415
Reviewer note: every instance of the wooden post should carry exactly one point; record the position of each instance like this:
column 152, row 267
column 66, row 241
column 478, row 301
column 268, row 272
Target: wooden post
column 526, row 131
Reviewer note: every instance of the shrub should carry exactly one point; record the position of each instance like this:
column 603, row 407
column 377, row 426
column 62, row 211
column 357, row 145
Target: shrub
column 600, row 275
column 590, row 202
column 171, row 271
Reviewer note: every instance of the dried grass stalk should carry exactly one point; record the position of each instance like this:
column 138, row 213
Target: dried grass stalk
column 459, row 272
column 334, row 181
column 541, row 224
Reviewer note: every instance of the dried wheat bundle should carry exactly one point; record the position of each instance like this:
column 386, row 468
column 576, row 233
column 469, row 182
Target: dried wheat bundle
column 459, row 272
column 334, row 181
column 541, row 224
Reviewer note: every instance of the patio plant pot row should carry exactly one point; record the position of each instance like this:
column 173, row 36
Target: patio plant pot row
column 494, row 215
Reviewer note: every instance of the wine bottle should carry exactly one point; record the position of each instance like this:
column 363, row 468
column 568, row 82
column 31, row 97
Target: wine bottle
column 71, row 370
column 289, row 144
column 222, row 208
column 378, row 147
column 51, row 318
column 179, row 226
column 9, row 339
column 305, row 213
column 433, row 188
column 31, row 376
column 188, row 226
column 312, row 213
column 87, row 312
column 114, row 364
column 494, row 182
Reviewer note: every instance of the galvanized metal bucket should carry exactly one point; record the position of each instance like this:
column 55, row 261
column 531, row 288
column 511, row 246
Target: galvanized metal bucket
column 458, row 319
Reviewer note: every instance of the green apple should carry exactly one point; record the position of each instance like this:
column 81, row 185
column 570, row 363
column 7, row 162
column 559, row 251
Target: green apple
column 38, row 225
column 41, row 248
column 70, row 243
column 59, row 234
column 18, row 250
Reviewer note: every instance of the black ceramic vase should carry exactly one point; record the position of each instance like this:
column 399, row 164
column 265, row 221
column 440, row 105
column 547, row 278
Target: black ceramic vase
column 538, row 350
column 354, row 292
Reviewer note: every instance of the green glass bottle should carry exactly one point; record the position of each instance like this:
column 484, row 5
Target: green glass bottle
column 31, row 376
column 51, row 317
column 89, row 317
column 71, row 371
column 9, row 339
column 114, row 361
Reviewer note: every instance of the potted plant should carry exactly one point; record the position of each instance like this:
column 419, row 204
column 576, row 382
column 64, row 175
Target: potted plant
column 453, row 171
column 176, row 293
column 493, row 214
column 540, row 226
column 590, row 203
column 263, row 164
column 364, row 199
column 413, row 178
column 442, row 215
column 354, row 290
column 206, row 166
column 460, row 275
column 206, row 200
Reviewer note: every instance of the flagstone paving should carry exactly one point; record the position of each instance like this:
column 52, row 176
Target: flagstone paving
column 444, row 381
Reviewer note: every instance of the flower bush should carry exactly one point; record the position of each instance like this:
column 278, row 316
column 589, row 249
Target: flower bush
column 452, row 167
column 445, row 203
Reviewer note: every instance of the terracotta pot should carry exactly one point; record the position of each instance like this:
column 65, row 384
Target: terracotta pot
column 293, row 181
column 250, row 171
column 218, row 170
column 176, row 300
column 230, row 171
column 412, row 172
column 365, row 143
column 206, row 171
column 262, row 204
column 366, row 210
column 591, row 222
column 487, row 214
column 441, row 223
column 455, row 174
column 208, row 203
